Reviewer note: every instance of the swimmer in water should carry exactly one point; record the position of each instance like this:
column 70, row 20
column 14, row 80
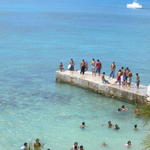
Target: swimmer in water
column 24, row 147
column 83, row 125
column 37, row 145
column 110, row 125
column 135, row 127
column 123, row 108
column 81, row 147
column 116, row 127
column 75, row 146
column 129, row 144
column 104, row 144
column 119, row 109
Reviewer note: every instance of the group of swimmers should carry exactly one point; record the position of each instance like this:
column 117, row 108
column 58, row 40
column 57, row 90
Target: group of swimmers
column 36, row 146
column 77, row 147
column 123, row 77
column 113, row 126
column 110, row 125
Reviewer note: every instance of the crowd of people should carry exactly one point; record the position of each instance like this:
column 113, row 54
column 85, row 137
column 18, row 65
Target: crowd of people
column 38, row 146
column 123, row 76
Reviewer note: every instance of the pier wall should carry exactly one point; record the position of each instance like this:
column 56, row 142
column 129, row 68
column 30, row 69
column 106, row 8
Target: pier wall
column 103, row 89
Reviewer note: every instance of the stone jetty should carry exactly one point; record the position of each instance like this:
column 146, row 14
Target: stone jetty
column 94, row 83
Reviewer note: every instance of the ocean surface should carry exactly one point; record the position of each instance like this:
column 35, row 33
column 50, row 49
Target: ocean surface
column 35, row 36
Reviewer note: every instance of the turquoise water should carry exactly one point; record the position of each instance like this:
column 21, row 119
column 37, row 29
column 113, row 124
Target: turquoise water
column 35, row 36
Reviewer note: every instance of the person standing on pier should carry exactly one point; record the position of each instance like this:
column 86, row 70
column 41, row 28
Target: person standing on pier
column 82, row 66
column 119, row 77
column 86, row 66
column 129, row 79
column 98, row 67
column 137, row 80
column 93, row 67
column 112, row 67
column 71, row 64
column 61, row 67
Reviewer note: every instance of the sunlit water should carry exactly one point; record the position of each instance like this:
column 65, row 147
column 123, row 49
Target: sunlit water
column 35, row 37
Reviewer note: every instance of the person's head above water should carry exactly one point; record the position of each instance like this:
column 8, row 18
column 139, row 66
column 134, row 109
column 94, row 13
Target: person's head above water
column 81, row 147
column 123, row 106
column 119, row 109
column 135, row 126
column 129, row 143
column 109, row 124
column 82, row 125
column 75, row 143
column 104, row 144
column 37, row 140
column 25, row 144
column 117, row 127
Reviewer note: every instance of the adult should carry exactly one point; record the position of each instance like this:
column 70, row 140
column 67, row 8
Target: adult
column 93, row 63
column 123, row 108
column 82, row 66
column 112, row 68
column 104, row 80
column 124, row 83
column 61, row 67
column 129, row 144
column 98, row 67
column 24, row 147
column 71, row 65
column 137, row 80
column 81, row 147
column 119, row 77
column 82, row 126
column 75, row 146
column 129, row 79
column 110, row 125
column 104, row 144
column 86, row 66
column 116, row 127
column 37, row 145
column 135, row 127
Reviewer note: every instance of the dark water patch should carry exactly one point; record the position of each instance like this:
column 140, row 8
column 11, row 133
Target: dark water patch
column 8, row 103
column 73, row 116
column 52, row 97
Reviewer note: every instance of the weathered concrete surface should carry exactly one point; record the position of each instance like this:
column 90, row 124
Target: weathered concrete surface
column 131, row 95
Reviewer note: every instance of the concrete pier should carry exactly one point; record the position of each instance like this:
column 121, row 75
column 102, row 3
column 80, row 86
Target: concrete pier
column 94, row 83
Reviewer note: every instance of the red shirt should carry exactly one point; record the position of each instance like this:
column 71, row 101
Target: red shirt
column 98, row 65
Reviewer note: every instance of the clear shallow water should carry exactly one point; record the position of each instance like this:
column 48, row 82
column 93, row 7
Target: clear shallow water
column 35, row 37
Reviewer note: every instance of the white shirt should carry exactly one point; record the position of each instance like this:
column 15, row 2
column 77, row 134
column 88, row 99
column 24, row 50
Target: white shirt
column 22, row 147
